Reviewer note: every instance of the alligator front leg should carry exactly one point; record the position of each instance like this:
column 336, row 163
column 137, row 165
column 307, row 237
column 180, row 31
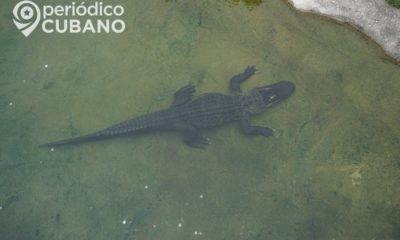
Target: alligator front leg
column 254, row 130
column 191, row 136
column 183, row 95
column 238, row 79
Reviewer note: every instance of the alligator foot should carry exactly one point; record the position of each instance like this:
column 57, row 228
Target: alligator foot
column 196, row 141
column 183, row 95
column 238, row 79
column 257, row 130
column 191, row 136
column 254, row 130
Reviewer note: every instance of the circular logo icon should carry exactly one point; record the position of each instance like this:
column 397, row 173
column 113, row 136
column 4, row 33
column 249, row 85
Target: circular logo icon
column 26, row 16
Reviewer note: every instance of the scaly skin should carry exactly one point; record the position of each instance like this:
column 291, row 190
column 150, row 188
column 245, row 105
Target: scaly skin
column 188, row 116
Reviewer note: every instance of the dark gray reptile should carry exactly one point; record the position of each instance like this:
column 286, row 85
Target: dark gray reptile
column 188, row 115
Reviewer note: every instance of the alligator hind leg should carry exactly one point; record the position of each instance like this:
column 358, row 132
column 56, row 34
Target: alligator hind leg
column 183, row 95
column 254, row 130
column 191, row 136
column 238, row 79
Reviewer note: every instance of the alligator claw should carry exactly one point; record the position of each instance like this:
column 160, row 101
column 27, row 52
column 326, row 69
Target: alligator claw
column 241, row 77
column 266, row 132
column 250, row 70
column 184, row 94
column 198, row 142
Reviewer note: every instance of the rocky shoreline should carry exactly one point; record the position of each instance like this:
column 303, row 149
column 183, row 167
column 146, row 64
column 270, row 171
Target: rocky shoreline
column 376, row 18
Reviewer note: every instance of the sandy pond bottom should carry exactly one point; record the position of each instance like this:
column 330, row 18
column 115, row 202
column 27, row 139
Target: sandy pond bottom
column 331, row 171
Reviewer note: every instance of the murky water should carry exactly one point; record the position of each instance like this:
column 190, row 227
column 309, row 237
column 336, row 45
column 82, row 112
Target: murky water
column 331, row 171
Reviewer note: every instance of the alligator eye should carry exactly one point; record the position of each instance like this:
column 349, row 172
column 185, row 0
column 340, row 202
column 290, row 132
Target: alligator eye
column 272, row 97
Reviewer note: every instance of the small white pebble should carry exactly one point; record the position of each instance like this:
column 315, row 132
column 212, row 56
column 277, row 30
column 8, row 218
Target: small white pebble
column 124, row 221
column 46, row 66
column 154, row 226
column 1, row 208
column 201, row 196
column 195, row 232
column 200, row 233
column 52, row 149
column 146, row 187
column 180, row 225
column 11, row 103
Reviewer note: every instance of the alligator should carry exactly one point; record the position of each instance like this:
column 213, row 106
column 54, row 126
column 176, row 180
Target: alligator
column 188, row 115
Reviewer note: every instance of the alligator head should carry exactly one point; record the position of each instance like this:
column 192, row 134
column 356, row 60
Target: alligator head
column 264, row 97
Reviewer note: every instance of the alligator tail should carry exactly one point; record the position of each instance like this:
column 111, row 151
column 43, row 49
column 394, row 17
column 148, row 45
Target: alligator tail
column 75, row 140
column 133, row 126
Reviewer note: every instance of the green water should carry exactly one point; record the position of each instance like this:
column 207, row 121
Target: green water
column 332, row 170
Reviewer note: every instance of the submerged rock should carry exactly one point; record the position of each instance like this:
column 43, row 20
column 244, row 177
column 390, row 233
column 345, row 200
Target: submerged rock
column 376, row 18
